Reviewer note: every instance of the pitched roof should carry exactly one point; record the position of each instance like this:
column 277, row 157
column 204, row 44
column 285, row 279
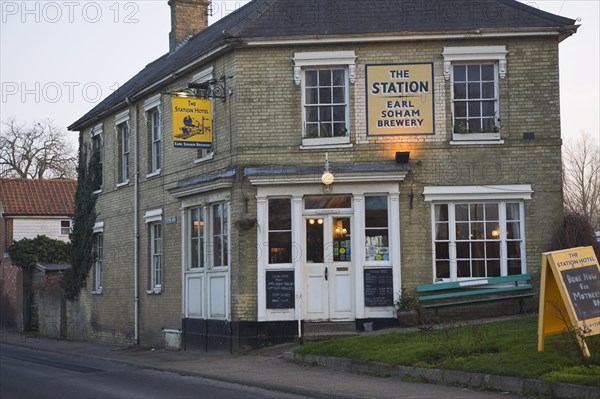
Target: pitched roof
column 316, row 18
column 27, row 197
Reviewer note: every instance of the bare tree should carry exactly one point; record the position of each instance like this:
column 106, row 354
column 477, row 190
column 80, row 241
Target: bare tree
column 581, row 179
column 35, row 152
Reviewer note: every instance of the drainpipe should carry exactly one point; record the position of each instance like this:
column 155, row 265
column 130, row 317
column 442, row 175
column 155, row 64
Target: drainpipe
column 136, row 232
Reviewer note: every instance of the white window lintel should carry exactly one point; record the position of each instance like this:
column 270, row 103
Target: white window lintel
column 122, row 117
column 475, row 53
column 203, row 76
column 97, row 130
column 477, row 193
column 152, row 102
column 324, row 58
column 98, row 227
column 154, row 215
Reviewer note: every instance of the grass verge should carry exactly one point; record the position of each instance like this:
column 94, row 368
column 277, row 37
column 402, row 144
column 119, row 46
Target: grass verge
column 502, row 348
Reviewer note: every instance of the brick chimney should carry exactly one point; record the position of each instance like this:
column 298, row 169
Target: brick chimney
column 188, row 17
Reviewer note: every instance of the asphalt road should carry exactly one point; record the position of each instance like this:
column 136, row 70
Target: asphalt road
column 31, row 374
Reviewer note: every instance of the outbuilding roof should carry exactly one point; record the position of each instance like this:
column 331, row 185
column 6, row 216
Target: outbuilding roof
column 286, row 19
column 29, row 197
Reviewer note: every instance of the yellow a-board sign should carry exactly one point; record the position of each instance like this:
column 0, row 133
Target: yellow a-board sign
column 569, row 294
column 192, row 123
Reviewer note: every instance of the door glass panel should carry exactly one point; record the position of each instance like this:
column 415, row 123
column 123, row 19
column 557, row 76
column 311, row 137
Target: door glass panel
column 327, row 202
column 314, row 241
column 342, row 251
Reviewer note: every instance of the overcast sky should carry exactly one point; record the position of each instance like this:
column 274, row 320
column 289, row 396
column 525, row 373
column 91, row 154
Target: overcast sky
column 58, row 59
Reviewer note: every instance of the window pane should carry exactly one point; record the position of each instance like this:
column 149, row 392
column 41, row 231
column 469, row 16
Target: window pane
column 325, row 96
column 312, row 114
column 488, row 90
column 441, row 231
column 376, row 211
column 325, row 78
column 314, row 242
column 217, row 212
column 488, row 125
column 512, row 212
column 462, row 212
column 376, row 245
column 338, row 95
column 491, row 212
column 476, row 212
column 492, row 231
column 325, row 129
column 473, row 73
column 311, row 78
column 493, row 268
column 474, row 91
column 474, row 125
column 325, row 114
column 478, row 250
column 492, row 250
column 488, row 108
column 339, row 130
column 339, row 78
column 513, row 230
column 463, row 250
column 460, row 91
column 339, row 114
column 442, row 250
column 280, row 247
column 460, row 73
column 342, row 240
column 441, row 213
column 463, row 268
column 462, row 231
column 487, row 72
column 479, row 268
column 327, row 202
column 280, row 214
column 312, row 130
column 442, row 269
column 474, row 109
column 477, row 232
column 514, row 266
column 312, row 96
column 460, row 109
column 513, row 249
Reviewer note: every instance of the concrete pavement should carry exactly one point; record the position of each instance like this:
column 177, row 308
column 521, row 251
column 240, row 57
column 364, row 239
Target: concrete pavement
column 274, row 368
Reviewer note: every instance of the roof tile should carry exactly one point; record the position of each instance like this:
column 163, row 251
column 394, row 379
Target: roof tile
column 27, row 197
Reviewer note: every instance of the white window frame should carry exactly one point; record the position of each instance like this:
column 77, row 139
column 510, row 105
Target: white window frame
column 156, row 246
column 124, row 146
column 207, row 244
column 498, row 194
column 98, row 263
column 97, row 133
column 277, row 230
column 475, row 55
column 205, row 154
column 69, row 228
column 304, row 61
column 152, row 109
column 382, row 262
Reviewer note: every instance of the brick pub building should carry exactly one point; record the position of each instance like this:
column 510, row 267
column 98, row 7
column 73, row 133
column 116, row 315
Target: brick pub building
column 435, row 125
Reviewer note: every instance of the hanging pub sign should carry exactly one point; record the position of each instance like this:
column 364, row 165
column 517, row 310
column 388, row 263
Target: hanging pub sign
column 192, row 122
column 400, row 99
column 569, row 295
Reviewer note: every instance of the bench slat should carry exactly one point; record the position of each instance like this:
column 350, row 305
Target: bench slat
column 475, row 292
column 439, row 305
column 473, row 283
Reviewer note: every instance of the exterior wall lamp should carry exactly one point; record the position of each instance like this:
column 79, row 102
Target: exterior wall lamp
column 327, row 177
column 403, row 157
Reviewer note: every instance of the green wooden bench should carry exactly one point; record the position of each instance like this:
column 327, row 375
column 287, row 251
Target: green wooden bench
column 480, row 290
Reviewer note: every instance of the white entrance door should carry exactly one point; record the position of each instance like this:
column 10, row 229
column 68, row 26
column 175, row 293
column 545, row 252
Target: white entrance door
column 327, row 256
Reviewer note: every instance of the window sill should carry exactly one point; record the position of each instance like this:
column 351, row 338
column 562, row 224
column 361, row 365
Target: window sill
column 476, row 142
column 97, row 192
column 98, row 291
column 324, row 143
column 154, row 291
column 205, row 159
column 153, row 174
column 123, row 184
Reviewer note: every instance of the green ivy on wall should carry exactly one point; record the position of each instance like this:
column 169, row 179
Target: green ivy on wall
column 89, row 176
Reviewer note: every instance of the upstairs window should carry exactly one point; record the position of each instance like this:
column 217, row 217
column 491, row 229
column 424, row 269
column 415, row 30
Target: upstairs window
column 325, row 104
column 325, row 78
column 154, row 141
column 123, row 145
column 98, row 149
column 474, row 73
column 65, row 227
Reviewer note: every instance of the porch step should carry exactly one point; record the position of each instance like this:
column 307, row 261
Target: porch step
column 328, row 330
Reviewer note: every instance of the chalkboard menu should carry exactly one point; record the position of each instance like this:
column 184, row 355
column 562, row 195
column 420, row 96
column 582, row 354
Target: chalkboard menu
column 379, row 287
column 583, row 286
column 280, row 290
